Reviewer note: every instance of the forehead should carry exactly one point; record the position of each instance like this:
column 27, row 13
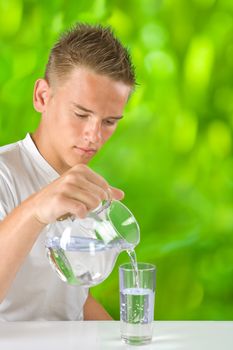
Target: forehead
column 83, row 83
column 96, row 92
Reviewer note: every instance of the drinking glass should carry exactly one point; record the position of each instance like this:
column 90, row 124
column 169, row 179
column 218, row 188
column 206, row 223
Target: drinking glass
column 137, row 302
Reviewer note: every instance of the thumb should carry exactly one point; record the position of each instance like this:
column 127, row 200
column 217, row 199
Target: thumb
column 116, row 193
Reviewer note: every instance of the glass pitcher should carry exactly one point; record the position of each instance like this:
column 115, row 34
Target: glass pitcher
column 84, row 251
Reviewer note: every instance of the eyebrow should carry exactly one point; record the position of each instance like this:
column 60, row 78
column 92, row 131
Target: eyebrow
column 89, row 111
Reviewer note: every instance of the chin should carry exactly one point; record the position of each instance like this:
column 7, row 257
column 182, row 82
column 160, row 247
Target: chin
column 78, row 161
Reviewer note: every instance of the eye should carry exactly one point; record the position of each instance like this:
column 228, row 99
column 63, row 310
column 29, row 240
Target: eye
column 81, row 116
column 110, row 122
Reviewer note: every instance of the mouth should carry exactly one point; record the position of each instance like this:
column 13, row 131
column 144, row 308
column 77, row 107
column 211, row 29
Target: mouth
column 86, row 151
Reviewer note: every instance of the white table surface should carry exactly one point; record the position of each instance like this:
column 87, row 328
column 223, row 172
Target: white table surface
column 101, row 335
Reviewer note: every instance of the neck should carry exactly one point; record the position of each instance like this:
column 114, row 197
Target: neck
column 42, row 142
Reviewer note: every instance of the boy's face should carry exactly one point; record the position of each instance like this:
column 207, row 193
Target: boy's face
column 78, row 117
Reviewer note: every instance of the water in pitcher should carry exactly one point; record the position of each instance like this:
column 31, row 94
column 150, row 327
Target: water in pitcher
column 83, row 260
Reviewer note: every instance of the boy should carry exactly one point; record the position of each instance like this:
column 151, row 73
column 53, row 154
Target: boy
column 88, row 80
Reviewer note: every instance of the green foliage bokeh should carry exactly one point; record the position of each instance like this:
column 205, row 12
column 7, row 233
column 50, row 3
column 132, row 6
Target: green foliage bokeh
column 172, row 152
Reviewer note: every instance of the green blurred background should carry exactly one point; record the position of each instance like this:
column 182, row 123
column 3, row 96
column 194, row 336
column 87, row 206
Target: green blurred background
column 172, row 153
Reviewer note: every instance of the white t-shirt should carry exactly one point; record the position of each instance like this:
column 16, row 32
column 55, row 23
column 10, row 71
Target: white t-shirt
column 36, row 293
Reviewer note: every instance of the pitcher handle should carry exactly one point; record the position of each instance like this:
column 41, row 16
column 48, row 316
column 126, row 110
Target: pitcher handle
column 104, row 205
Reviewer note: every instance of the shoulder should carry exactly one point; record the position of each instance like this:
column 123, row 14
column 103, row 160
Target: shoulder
column 13, row 176
column 15, row 155
column 9, row 157
column 4, row 149
column 14, row 162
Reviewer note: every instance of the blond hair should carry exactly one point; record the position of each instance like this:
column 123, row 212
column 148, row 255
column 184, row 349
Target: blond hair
column 94, row 47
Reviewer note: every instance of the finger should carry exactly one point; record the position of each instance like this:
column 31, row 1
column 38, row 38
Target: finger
column 95, row 178
column 89, row 199
column 88, row 186
column 116, row 193
column 73, row 208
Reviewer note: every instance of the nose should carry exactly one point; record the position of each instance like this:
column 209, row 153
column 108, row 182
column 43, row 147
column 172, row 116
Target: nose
column 92, row 132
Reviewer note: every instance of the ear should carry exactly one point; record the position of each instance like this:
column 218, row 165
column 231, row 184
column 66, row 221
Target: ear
column 41, row 95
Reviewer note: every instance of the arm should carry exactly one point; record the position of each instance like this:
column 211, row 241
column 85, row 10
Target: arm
column 76, row 192
column 18, row 232
column 94, row 311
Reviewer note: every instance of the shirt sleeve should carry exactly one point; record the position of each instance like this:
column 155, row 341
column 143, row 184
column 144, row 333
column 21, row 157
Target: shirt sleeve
column 7, row 203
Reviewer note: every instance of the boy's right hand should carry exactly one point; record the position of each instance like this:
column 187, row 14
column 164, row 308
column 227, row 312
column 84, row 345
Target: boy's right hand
column 76, row 192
